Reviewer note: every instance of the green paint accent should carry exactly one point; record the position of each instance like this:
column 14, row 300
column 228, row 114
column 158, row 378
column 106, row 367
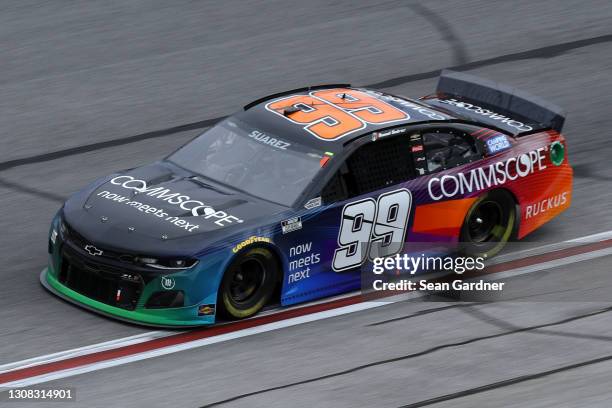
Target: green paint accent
column 180, row 316
column 557, row 153
column 329, row 153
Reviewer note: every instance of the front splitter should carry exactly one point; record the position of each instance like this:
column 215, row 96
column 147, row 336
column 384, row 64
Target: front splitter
column 45, row 283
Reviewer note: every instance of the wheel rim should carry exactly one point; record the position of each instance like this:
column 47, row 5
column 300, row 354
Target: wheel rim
column 486, row 223
column 246, row 280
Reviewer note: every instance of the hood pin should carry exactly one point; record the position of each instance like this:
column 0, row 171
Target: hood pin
column 164, row 237
column 131, row 229
column 104, row 219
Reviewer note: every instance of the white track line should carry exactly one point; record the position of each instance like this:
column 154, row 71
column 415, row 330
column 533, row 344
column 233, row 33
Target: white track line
column 570, row 243
column 94, row 348
column 549, row 264
column 602, row 236
column 271, row 326
column 193, row 344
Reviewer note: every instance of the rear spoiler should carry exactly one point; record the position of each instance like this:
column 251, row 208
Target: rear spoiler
column 495, row 105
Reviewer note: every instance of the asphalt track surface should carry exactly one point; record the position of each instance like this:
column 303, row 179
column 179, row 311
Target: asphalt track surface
column 91, row 87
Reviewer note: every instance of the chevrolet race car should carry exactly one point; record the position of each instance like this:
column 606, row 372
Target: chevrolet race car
column 282, row 202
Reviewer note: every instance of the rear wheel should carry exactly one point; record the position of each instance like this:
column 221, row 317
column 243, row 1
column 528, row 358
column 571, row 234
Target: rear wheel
column 489, row 224
column 248, row 283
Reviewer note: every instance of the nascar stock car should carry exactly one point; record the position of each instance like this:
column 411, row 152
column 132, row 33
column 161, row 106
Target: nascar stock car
column 281, row 202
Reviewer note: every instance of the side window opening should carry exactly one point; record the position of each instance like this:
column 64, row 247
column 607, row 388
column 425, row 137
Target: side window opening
column 335, row 189
column 374, row 166
column 448, row 148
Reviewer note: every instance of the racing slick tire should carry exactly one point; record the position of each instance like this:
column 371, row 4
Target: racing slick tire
column 248, row 283
column 489, row 224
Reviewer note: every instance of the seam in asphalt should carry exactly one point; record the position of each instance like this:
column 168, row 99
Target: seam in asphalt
column 506, row 383
column 31, row 191
column 420, row 354
column 421, row 313
column 437, row 296
column 542, row 52
column 502, row 324
column 445, row 29
column 547, row 52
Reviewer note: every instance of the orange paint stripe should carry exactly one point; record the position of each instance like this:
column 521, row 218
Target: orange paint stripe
column 442, row 218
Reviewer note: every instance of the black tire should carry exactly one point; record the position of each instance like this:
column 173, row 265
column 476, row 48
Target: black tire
column 489, row 224
column 248, row 283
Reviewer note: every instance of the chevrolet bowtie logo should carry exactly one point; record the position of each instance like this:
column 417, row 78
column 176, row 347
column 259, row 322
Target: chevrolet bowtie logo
column 92, row 250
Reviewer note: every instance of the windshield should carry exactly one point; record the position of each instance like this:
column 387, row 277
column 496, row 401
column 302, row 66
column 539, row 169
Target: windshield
column 260, row 164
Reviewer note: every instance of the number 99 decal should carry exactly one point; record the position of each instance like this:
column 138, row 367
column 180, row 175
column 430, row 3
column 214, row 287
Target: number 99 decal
column 334, row 113
column 372, row 229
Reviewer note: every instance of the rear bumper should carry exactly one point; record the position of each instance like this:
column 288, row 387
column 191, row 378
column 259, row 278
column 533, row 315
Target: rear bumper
column 166, row 317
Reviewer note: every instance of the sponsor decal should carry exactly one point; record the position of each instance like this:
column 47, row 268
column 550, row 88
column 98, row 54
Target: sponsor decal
column 167, row 282
column 557, row 153
column 497, row 144
column 250, row 241
column 480, row 178
column 93, row 251
column 520, row 126
column 261, row 137
column 129, row 277
column 206, row 310
column 390, row 132
column 147, row 209
column 183, row 202
column 313, row 203
column 545, row 205
column 292, row 224
column 418, row 153
column 410, row 105
column 301, row 258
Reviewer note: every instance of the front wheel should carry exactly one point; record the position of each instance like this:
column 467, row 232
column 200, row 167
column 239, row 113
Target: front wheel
column 489, row 224
column 248, row 283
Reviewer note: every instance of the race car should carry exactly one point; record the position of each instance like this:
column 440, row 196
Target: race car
column 286, row 201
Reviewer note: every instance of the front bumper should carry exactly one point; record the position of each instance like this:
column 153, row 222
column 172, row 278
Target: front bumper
column 167, row 317
column 115, row 287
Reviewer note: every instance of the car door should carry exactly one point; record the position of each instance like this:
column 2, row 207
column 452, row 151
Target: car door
column 365, row 213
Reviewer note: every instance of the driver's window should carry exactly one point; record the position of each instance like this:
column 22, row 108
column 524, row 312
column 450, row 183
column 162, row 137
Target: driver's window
column 448, row 148
column 374, row 166
column 335, row 189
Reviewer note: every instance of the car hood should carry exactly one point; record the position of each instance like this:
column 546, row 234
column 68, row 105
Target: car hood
column 161, row 208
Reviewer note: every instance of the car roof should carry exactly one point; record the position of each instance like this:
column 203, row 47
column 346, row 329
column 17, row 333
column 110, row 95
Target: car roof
column 288, row 115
